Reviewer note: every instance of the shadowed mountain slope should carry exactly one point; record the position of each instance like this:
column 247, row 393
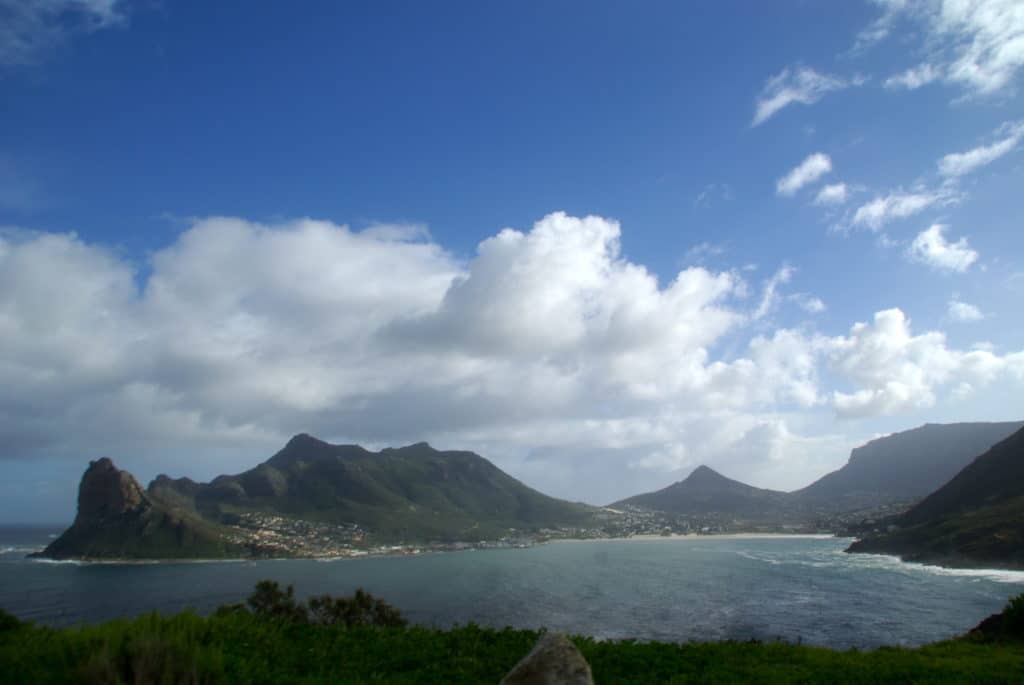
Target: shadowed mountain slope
column 977, row 518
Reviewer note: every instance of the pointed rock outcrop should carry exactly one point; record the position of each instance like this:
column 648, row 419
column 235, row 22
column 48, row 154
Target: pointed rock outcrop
column 107, row 492
column 554, row 660
column 118, row 519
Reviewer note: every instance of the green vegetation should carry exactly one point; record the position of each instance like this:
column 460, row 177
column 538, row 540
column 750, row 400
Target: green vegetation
column 272, row 641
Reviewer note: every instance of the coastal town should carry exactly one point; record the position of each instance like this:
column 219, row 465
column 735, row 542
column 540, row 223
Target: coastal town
column 270, row 535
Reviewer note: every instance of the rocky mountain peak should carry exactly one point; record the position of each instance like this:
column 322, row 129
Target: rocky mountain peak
column 107, row 491
column 706, row 476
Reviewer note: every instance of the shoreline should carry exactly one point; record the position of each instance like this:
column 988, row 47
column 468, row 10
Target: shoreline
column 651, row 537
column 367, row 554
column 926, row 566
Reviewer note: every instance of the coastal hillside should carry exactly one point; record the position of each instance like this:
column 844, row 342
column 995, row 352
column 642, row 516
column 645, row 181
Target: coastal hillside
column 705, row 492
column 905, row 466
column 976, row 519
column 310, row 499
column 413, row 492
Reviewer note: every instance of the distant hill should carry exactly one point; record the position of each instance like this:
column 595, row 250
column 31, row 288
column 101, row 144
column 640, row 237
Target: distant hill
column 976, row 519
column 905, row 466
column 413, row 493
column 705, row 491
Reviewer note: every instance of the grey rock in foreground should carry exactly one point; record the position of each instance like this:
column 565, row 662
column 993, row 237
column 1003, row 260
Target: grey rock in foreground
column 554, row 660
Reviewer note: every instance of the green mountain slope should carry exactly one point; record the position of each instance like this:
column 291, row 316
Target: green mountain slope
column 975, row 519
column 412, row 493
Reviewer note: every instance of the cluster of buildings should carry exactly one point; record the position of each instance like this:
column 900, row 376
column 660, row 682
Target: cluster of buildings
column 271, row 535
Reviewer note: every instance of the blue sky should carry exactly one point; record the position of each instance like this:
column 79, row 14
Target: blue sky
column 224, row 224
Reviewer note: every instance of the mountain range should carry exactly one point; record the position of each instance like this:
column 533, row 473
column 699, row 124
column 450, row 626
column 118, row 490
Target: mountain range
column 898, row 468
column 322, row 493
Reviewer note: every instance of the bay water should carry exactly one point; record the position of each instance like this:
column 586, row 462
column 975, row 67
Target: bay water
column 797, row 589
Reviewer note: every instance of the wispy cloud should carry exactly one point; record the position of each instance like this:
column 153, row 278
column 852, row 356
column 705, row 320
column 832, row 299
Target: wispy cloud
column 833, row 194
column 808, row 171
column 699, row 253
column 961, row 163
column 963, row 312
column 975, row 44
column 711, row 193
column 796, row 84
column 882, row 210
column 770, row 295
column 809, row 303
column 931, row 247
column 30, row 29
column 914, row 78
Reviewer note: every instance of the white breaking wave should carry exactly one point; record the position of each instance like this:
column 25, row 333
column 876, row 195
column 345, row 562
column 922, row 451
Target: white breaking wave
column 887, row 562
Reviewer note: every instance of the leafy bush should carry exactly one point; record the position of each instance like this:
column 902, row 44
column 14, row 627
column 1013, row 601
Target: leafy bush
column 268, row 600
column 360, row 610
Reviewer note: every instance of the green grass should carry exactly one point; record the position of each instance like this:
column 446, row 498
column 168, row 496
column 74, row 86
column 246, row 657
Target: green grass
column 239, row 647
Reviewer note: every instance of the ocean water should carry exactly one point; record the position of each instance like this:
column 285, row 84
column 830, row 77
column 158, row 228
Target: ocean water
column 794, row 589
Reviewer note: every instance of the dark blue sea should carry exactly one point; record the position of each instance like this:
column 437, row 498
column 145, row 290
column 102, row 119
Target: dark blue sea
column 708, row 588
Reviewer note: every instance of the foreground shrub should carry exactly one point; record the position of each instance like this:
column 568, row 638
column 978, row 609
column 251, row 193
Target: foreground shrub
column 360, row 610
column 269, row 601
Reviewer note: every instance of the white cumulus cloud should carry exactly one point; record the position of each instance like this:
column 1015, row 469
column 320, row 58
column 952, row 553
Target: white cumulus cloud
column 547, row 351
column 894, row 370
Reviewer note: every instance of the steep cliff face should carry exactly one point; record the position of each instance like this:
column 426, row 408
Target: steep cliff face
column 107, row 492
column 907, row 465
column 118, row 519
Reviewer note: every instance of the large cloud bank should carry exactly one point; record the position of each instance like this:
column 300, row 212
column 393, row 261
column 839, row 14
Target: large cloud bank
column 547, row 349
